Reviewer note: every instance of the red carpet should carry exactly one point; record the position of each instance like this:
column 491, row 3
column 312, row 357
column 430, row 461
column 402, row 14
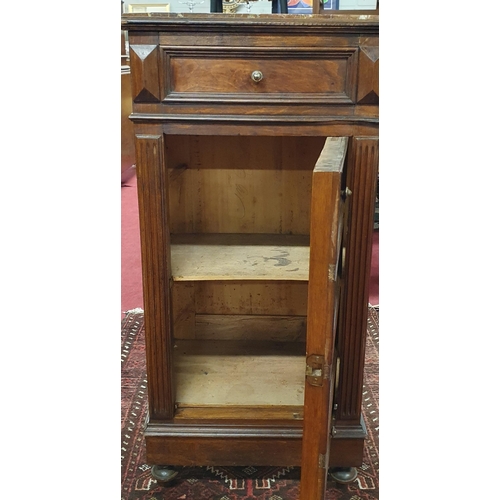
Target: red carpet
column 131, row 253
column 373, row 300
column 233, row 483
column 131, row 257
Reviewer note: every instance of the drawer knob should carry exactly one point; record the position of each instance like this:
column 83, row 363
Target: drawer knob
column 257, row 76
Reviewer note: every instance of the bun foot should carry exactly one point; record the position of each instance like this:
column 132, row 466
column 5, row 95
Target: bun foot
column 163, row 473
column 344, row 475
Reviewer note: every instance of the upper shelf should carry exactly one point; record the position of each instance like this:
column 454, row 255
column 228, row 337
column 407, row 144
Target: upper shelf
column 226, row 257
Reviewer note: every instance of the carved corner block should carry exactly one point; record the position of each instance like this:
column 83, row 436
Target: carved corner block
column 368, row 92
column 145, row 81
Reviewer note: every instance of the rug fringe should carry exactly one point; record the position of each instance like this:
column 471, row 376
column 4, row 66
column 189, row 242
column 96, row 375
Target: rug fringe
column 137, row 310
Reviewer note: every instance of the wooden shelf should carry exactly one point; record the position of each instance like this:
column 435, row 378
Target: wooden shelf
column 239, row 373
column 206, row 257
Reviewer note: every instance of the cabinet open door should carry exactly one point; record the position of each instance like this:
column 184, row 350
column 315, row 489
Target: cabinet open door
column 327, row 209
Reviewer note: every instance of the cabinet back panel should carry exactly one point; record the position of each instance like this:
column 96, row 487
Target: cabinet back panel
column 261, row 185
column 245, row 152
column 240, row 201
column 225, row 310
column 248, row 327
column 218, row 297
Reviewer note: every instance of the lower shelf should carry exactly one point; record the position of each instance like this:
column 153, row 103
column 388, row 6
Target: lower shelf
column 239, row 373
column 241, row 402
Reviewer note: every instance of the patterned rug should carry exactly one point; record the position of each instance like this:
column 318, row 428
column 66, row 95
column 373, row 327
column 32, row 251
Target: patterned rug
column 231, row 483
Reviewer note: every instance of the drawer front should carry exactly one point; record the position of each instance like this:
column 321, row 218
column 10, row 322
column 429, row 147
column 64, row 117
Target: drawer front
column 267, row 75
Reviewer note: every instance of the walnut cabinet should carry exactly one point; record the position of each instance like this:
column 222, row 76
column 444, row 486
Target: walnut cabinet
column 256, row 143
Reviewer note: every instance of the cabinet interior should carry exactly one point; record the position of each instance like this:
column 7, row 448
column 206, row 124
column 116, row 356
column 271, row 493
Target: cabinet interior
column 239, row 217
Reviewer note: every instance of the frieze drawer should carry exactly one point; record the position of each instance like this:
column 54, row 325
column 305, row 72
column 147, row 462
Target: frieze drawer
column 267, row 75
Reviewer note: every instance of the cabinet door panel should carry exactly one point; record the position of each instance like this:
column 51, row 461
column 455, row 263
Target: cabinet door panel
column 321, row 317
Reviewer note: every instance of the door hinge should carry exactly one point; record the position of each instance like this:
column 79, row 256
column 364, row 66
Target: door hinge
column 346, row 193
column 316, row 370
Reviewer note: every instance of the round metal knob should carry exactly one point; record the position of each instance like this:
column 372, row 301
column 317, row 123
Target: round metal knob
column 257, row 76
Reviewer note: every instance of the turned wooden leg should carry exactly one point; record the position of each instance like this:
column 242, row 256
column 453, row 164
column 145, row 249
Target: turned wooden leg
column 163, row 473
column 344, row 475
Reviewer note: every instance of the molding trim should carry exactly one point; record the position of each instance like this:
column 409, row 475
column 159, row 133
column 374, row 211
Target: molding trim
column 355, row 120
column 334, row 24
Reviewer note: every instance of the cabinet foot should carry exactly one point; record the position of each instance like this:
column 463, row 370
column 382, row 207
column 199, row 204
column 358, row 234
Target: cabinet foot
column 344, row 475
column 163, row 473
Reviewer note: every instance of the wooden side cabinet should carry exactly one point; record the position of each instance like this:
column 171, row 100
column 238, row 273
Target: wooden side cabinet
column 256, row 143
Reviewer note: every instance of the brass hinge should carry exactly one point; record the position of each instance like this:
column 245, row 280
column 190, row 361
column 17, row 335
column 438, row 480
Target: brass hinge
column 345, row 193
column 316, row 370
column 332, row 272
column 322, row 461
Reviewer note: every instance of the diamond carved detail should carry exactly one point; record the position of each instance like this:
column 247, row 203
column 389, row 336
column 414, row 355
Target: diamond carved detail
column 368, row 75
column 145, row 81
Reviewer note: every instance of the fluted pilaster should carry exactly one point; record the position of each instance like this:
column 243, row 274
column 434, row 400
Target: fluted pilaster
column 152, row 185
